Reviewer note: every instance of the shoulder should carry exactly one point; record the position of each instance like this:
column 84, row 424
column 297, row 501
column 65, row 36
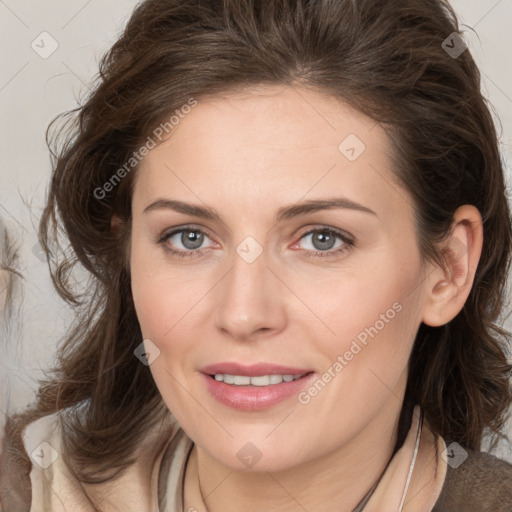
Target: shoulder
column 481, row 482
column 21, row 448
column 41, row 479
column 52, row 486
column 15, row 488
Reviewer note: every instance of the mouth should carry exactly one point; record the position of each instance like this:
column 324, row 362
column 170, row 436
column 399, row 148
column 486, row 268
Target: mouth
column 255, row 393
column 246, row 381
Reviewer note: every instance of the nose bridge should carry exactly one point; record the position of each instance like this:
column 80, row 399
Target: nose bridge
column 250, row 298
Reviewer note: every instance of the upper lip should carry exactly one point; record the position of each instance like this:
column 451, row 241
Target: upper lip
column 253, row 370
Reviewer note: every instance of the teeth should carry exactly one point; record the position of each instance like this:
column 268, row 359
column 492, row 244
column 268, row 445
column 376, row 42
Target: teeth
column 263, row 380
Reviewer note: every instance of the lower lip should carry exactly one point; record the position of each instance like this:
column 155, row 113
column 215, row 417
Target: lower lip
column 254, row 398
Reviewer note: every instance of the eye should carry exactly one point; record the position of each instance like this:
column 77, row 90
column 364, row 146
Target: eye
column 325, row 242
column 189, row 238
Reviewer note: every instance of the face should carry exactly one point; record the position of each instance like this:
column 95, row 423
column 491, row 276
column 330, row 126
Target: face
column 278, row 275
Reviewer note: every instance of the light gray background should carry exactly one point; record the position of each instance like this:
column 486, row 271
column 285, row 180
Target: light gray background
column 33, row 90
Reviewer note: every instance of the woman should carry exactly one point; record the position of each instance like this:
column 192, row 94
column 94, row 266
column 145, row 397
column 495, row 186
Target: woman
column 294, row 218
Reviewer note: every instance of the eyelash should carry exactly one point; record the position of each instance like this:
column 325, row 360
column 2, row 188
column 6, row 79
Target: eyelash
column 348, row 244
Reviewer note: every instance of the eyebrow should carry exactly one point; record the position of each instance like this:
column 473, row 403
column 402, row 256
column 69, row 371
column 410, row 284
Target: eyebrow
column 283, row 213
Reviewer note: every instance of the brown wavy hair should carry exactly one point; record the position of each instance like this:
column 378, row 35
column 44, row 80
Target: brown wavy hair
column 388, row 62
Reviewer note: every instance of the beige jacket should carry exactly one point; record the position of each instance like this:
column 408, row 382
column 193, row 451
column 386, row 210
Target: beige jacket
column 155, row 482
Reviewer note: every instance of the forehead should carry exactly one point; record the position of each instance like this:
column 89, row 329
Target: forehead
column 276, row 119
column 272, row 144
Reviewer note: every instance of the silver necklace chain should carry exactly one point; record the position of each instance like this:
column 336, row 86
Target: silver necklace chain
column 366, row 498
column 362, row 504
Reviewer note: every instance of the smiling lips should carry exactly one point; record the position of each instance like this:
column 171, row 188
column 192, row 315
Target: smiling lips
column 254, row 387
column 254, row 370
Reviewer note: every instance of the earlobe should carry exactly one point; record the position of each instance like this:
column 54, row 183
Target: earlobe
column 448, row 287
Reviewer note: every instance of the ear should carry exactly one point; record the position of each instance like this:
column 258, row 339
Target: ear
column 448, row 288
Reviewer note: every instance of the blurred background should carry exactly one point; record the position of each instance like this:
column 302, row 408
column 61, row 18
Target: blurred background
column 50, row 53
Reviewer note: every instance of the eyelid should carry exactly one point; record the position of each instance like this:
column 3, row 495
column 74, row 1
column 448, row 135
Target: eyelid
column 344, row 235
column 332, row 254
column 193, row 227
column 346, row 238
column 166, row 234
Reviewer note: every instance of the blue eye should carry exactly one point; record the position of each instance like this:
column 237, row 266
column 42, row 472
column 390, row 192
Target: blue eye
column 325, row 242
column 190, row 238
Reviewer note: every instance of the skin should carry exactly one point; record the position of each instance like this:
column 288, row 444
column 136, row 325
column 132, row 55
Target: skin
column 246, row 154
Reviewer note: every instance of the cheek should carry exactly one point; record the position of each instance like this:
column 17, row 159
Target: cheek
column 364, row 300
column 366, row 359
column 165, row 309
column 148, row 303
column 372, row 317
column 161, row 301
column 161, row 296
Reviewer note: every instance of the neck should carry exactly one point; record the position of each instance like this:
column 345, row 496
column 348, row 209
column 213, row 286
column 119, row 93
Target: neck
column 337, row 480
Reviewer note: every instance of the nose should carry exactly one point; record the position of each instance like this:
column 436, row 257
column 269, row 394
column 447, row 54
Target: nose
column 251, row 300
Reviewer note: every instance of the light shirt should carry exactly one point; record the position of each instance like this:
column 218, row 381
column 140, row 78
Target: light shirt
column 155, row 482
